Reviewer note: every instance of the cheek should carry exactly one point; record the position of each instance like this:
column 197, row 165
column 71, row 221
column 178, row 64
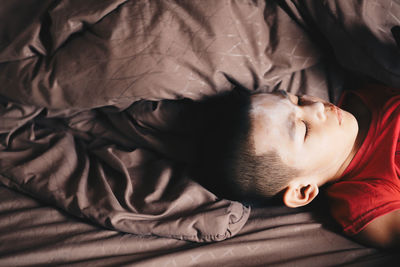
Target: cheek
column 326, row 142
column 351, row 123
column 347, row 132
column 338, row 140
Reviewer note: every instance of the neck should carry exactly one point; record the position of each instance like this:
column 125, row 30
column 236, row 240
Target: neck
column 349, row 158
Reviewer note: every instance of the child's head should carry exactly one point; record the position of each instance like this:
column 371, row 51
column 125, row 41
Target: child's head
column 310, row 135
column 271, row 143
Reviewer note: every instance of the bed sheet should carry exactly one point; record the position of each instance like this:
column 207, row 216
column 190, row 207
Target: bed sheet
column 33, row 234
column 91, row 123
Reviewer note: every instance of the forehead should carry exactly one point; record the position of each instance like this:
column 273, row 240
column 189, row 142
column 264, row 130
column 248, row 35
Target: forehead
column 268, row 103
column 258, row 99
column 271, row 122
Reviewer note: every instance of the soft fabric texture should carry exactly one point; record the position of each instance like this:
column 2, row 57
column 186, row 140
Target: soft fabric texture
column 91, row 127
column 86, row 54
column 85, row 120
column 370, row 186
column 123, row 170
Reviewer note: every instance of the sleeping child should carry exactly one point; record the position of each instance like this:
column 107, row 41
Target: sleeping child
column 280, row 144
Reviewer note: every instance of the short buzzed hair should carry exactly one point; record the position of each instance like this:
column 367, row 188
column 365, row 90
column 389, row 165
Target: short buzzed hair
column 233, row 168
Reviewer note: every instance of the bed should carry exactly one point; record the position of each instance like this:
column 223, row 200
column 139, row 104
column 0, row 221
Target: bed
column 96, row 126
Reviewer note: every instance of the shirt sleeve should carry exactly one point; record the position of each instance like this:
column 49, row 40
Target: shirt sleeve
column 354, row 204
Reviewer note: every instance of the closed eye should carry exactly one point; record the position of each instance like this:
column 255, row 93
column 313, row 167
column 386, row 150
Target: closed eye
column 308, row 129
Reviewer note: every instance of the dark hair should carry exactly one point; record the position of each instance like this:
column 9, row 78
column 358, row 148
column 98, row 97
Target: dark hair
column 230, row 165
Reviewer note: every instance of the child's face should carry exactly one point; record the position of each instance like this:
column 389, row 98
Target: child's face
column 308, row 133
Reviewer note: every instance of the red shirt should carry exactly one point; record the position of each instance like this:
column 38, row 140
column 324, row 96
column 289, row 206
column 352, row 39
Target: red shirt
column 370, row 186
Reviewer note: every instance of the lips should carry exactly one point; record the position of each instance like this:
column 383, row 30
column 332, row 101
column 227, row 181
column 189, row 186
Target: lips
column 339, row 115
column 337, row 111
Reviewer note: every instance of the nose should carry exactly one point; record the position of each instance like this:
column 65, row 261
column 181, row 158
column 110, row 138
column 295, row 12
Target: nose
column 315, row 111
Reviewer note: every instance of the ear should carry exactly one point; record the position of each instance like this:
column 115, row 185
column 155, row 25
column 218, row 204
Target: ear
column 299, row 194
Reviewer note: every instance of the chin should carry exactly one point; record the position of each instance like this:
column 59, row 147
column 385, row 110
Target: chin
column 350, row 124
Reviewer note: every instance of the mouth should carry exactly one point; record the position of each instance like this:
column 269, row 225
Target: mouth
column 339, row 114
column 337, row 111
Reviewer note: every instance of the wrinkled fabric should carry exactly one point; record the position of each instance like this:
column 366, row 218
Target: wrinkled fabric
column 276, row 235
column 360, row 34
column 139, row 186
column 85, row 54
column 85, row 122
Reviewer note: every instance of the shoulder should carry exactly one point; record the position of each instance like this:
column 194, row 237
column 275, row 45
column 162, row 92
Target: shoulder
column 382, row 232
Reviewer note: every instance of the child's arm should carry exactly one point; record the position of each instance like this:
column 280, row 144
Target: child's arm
column 383, row 232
